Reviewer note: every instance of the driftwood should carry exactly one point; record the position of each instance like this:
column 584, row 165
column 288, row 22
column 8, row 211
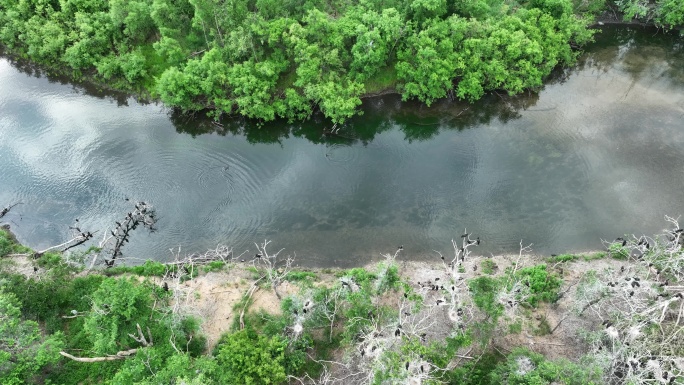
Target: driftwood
column 7, row 209
column 119, row 355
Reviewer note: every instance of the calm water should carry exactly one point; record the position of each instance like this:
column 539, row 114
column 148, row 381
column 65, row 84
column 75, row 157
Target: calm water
column 598, row 153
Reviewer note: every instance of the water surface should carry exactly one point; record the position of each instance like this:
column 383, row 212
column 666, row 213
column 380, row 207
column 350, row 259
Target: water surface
column 599, row 152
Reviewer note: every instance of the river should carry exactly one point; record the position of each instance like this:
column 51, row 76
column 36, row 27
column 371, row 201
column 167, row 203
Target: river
column 597, row 153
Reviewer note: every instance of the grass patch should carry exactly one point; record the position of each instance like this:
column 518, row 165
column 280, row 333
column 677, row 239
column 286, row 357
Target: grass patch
column 488, row 266
column 213, row 266
column 594, row 256
column 298, row 276
column 385, row 79
column 563, row 258
column 9, row 246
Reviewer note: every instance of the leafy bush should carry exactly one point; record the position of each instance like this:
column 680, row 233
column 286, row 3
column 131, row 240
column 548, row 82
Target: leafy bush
column 617, row 251
column 244, row 357
column 387, row 277
column 484, row 291
column 543, row 285
column 523, row 367
column 117, row 306
column 23, row 350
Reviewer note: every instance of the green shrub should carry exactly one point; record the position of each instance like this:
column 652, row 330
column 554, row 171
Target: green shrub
column 297, row 276
column 214, row 266
column 484, row 291
column 244, row 357
column 478, row 372
column 8, row 246
column 617, row 251
column 523, row 367
column 488, row 266
column 387, row 277
column 543, row 285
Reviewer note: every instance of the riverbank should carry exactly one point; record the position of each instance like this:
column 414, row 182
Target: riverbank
column 575, row 319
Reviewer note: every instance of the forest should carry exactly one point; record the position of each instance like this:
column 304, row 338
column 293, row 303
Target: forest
column 266, row 59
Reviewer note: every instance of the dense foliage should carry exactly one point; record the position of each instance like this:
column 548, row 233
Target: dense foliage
column 265, row 59
column 665, row 13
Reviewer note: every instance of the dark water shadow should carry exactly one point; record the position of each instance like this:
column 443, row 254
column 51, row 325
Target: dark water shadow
column 417, row 121
column 79, row 84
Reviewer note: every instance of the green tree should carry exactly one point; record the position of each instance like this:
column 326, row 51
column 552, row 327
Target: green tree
column 24, row 351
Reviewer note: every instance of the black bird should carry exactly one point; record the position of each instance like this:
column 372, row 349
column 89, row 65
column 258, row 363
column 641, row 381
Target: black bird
column 421, row 368
column 401, row 247
column 397, row 333
column 442, row 257
column 635, row 284
column 166, row 286
column 631, row 293
column 464, row 235
column 622, row 269
column 607, row 323
column 407, row 365
column 304, row 310
column 405, row 294
column 257, row 255
column 436, row 279
column 439, row 301
column 422, row 336
column 35, row 269
column 477, row 241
